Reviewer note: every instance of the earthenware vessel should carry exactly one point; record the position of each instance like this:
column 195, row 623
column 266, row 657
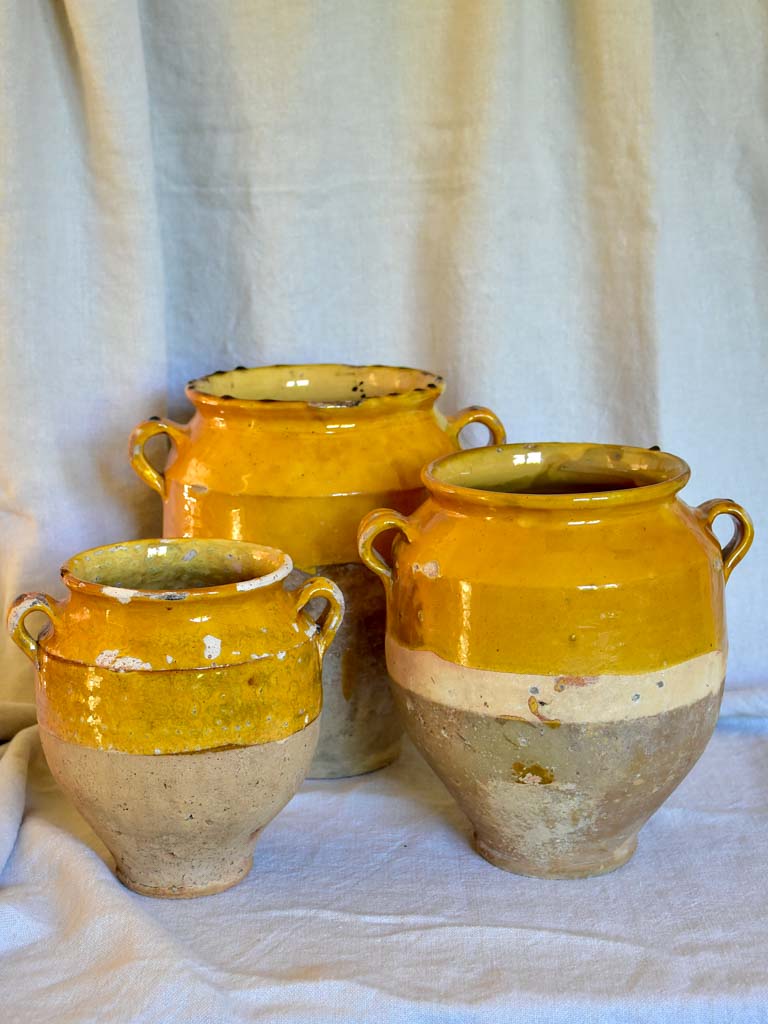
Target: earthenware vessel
column 556, row 637
column 178, row 695
column 294, row 456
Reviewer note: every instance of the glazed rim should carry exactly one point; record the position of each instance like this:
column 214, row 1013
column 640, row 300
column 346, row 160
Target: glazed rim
column 555, row 475
column 318, row 385
column 124, row 571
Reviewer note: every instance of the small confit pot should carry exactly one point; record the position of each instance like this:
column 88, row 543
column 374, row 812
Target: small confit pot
column 556, row 638
column 294, row 456
column 178, row 695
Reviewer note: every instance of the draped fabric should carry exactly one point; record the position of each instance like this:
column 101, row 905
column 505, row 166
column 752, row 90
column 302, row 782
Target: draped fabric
column 560, row 205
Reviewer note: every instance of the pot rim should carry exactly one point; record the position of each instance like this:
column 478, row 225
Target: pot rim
column 671, row 474
column 124, row 595
column 427, row 387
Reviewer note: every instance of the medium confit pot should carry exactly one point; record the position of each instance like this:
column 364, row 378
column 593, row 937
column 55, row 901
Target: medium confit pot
column 294, row 456
column 178, row 696
column 556, row 637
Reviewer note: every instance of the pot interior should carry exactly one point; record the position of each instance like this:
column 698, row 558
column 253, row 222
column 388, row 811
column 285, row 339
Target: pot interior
column 179, row 565
column 324, row 384
column 541, row 470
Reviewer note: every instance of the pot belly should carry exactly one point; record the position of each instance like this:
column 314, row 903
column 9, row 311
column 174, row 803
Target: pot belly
column 557, row 774
column 181, row 825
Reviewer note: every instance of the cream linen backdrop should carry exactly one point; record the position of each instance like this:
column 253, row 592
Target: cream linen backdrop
column 561, row 206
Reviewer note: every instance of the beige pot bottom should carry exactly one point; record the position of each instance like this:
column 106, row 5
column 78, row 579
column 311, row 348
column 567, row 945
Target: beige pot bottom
column 184, row 892
column 360, row 729
column 600, row 860
column 181, row 825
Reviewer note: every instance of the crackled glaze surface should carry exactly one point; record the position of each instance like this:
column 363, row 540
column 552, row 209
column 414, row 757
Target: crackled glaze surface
column 556, row 636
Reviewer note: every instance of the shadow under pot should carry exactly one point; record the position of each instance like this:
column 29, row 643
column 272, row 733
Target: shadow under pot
column 294, row 456
column 557, row 644
column 178, row 696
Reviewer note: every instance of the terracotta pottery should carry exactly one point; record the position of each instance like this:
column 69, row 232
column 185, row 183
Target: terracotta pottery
column 294, row 456
column 556, row 637
column 178, row 695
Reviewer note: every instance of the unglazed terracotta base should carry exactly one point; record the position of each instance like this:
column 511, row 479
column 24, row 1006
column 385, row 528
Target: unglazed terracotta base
column 360, row 729
column 182, row 825
column 558, row 786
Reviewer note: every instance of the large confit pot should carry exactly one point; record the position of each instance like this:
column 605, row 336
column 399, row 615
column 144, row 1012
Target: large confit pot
column 294, row 456
column 557, row 643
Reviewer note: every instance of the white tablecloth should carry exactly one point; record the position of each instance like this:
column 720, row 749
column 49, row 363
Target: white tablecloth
column 366, row 902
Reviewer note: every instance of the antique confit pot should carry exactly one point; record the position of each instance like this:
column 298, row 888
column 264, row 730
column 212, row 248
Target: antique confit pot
column 178, row 695
column 294, row 456
column 556, row 637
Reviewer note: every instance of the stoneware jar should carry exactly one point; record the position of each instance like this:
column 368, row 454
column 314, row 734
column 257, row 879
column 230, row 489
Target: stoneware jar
column 294, row 456
column 178, row 695
column 556, row 637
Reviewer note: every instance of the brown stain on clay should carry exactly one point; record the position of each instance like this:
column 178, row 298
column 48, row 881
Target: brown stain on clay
column 532, row 774
column 563, row 682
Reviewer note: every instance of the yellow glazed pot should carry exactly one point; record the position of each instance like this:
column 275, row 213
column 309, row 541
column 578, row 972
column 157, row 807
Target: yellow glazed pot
column 178, row 696
column 294, row 456
column 556, row 637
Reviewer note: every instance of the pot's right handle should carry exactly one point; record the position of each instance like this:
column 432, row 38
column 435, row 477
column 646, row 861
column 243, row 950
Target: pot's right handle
column 743, row 535
column 329, row 621
column 141, row 434
column 371, row 525
column 477, row 414
column 23, row 606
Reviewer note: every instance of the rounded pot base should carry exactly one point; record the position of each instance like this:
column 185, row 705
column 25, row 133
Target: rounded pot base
column 601, row 861
column 339, row 768
column 184, row 892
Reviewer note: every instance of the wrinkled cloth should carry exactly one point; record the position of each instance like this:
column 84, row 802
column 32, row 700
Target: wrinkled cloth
column 366, row 902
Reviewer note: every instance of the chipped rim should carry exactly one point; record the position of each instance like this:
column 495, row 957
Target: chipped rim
column 123, row 595
column 672, row 474
column 428, row 387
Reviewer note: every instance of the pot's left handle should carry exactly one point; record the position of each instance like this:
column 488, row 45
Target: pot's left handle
column 23, row 606
column 330, row 620
column 371, row 525
column 477, row 414
column 141, row 434
column 743, row 535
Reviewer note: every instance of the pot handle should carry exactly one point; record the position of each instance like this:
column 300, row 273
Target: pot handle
column 371, row 525
column 23, row 606
column 477, row 414
column 743, row 535
column 330, row 620
column 141, row 434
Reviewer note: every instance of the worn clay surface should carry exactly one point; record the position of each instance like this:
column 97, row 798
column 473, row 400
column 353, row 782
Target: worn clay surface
column 360, row 729
column 182, row 825
column 559, row 777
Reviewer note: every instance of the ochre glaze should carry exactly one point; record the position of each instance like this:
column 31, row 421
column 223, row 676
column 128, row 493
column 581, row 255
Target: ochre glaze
column 169, row 646
column 294, row 456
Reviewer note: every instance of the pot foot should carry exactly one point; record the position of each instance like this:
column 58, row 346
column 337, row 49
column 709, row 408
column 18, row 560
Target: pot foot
column 599, row 860
column 347, row 768
column 185, row 892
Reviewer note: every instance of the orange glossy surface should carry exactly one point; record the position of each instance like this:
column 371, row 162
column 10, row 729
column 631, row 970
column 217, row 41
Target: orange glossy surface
column 293, row 456
column 170, row 646
column 572, row 559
